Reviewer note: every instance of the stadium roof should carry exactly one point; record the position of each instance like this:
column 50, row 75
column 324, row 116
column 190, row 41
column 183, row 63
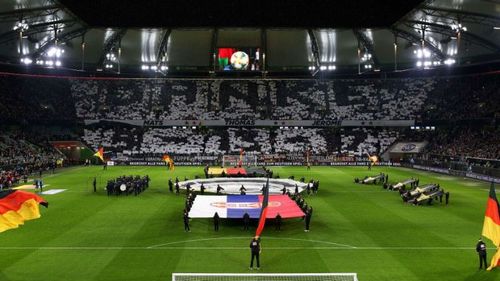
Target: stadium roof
column 295, row 35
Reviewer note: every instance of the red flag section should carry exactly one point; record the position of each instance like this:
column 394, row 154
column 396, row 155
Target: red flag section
column 283, row 205
column 236, row 172
column 263, row 212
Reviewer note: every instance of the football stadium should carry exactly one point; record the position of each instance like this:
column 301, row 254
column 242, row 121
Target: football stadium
column 190, row 140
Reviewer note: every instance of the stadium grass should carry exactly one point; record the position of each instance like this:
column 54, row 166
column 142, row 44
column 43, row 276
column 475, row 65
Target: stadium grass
column 354, row 228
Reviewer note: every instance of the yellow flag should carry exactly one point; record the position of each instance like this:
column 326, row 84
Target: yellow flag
column 100, row 154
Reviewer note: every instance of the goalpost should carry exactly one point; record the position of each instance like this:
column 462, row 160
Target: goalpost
column 264, row 277
column 232, row 160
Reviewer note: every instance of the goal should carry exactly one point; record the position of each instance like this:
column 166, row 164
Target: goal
column 264, row 277
column 234, row 160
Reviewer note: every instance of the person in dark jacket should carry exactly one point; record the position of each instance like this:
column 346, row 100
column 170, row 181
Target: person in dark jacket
column 170, row 185
column 277, row 221
column 308, row 220
column 219, row 188
column 481, row 251
column 246, row 221
column 186, row 221
column 216, row 221
column 255, row 250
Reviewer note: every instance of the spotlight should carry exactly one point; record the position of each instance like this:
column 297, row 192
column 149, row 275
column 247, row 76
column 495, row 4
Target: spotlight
column 449, row 61
column 26, row 61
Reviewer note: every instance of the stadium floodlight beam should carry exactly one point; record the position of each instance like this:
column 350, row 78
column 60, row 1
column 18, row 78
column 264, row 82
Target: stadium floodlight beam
column 449, row 61
column 21, row 26
column 27, row 60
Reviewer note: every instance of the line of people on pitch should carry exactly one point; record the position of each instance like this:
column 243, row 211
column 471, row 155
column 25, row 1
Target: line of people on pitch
column 308, row 210
column 127, row 185
column 175, row 186
column 246, row 219
column 190, row 196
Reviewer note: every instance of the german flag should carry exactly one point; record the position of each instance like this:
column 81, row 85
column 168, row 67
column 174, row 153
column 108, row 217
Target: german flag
column 17, row 206
column 263, row 211
column 491, row 225
column 100, row 153
column 169, row 161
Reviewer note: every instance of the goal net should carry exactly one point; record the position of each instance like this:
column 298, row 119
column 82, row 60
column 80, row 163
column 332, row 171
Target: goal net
column 264, row 277
column 234, row 160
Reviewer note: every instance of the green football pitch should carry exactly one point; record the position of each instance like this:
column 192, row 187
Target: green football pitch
column 355, row 228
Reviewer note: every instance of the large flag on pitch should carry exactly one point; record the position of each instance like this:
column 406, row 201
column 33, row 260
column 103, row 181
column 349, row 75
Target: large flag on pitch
column 17, row 206
column 100, row 153
column 263, row 210
column 235, row 206
column 491, row 225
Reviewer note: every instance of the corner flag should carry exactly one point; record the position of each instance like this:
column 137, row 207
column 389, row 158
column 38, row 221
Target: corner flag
column 263, row 211
column 100, row 153
column 491, row 225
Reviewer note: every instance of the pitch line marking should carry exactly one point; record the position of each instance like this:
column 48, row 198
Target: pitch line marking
column 245, row 237
column 63, row 248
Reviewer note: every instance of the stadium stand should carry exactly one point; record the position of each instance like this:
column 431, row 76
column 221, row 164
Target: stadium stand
column 73, row 101
column 254, row 99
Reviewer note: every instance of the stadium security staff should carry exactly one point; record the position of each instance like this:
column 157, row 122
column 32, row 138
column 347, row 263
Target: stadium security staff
column 186, row 221
column 278, row 222
column 308, row 220
column 481, row 251
column 177, row 188
column 246, row 221
column 170, row 185
column 255, row 250
column 219, row 188
column 216, row 221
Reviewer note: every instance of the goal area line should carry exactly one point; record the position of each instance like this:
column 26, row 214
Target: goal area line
column 264, row 276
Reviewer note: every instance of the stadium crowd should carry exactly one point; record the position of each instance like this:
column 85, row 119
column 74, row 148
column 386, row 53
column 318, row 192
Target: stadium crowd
column 69, row 101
